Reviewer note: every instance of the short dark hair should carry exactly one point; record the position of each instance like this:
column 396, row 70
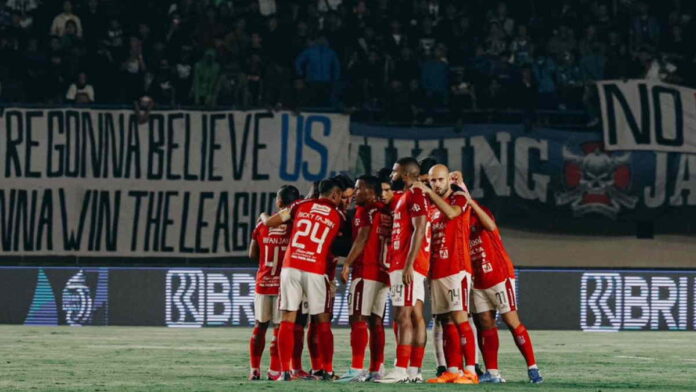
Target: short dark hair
column 313, row 190
column 288, row 194
column 372, row 182
column 384, row 174
column 427, row 163
column 344, row 181
column 411, row 165
column 327, row 186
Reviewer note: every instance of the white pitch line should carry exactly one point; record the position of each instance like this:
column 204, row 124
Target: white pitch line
column 633, row 357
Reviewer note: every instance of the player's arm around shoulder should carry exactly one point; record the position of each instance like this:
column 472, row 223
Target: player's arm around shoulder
column 484, row 216
column 451, row 211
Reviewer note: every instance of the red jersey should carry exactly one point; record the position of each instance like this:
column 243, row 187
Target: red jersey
column 367, row 265
column 386, row 230
column 272, row 243
column 316, row 223
column 411, row 205
column 450, row 242
column 491, row 263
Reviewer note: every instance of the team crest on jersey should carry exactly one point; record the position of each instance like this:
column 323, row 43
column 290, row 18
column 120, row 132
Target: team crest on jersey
column 415, row 208
column 596, row 182
column 320, row 209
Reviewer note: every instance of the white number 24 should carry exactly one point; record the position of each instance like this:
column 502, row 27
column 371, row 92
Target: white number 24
column 306, row 228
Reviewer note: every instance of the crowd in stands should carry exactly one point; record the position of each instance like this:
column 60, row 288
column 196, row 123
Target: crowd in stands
column 410, row 60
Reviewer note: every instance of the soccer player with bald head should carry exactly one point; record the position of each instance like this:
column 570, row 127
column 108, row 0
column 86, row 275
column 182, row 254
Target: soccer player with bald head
column 450, row 275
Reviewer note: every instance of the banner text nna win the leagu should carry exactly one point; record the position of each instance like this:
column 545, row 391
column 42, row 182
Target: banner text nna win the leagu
column 186, row 183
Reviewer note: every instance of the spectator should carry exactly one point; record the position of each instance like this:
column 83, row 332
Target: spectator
column 501, row 19
column 70, row 40
column 79, row 91
column 320, row 68
column 493, row 97
column 253, row 74
column 405, row 68
column 205, row 79
column 435, row 81
column 114, row 37
column 162, row 89
column 592, row 64
column 24, row 10
column 645, row 29
column 134, row 69
column 570, row 82
column 562, row 41
column 544, row 69
column 94, row 23
column 5, row 15
column 183, row 75
column 396, row 39
column 495, row 42
column 58, row 26
column 267, row 7
column 521, row 47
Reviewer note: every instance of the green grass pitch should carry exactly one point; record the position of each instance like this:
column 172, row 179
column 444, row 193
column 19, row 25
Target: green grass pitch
column 215, row 359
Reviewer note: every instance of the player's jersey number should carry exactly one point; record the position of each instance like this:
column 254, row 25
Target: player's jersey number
column 307, row 228
column 272, row 262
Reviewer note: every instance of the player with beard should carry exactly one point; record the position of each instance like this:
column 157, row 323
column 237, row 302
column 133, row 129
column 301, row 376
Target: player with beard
column 368, row 290
column 268, row 249
column 409, row 256
column 494, row 291
column 450, row 275
column 315, row 225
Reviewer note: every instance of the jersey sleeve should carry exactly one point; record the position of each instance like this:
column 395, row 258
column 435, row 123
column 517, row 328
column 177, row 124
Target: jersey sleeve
column 255, row 233
column 459, row 200
column 287, row 213
column 416, row 204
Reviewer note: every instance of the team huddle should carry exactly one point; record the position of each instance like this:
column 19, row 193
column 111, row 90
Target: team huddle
column 411, row 225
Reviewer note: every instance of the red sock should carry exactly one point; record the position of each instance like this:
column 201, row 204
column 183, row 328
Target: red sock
column 417, row 354
column 395, row 326
column 468, row 344
column 297, row 352
column 313, row 347
column 376, row 347
column 452, row 344
column 256, row 345
column 286, row 344
column 489, row 347
column 403, row 355
column 358, row 343
column 275, row 359
column 524, row 343
column 326, row 345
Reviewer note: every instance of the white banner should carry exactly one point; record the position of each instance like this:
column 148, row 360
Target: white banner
column 87, row 182
column 648, row 115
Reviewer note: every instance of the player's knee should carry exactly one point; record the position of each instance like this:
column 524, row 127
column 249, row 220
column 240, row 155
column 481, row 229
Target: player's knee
column 375, row 320
column 459, row 317
column 485, row 321
column 404, row 319
column 261, row 325
column 323, row 317
column 512, row 320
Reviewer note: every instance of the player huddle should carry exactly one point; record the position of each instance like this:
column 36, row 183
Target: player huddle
column 409, row 226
